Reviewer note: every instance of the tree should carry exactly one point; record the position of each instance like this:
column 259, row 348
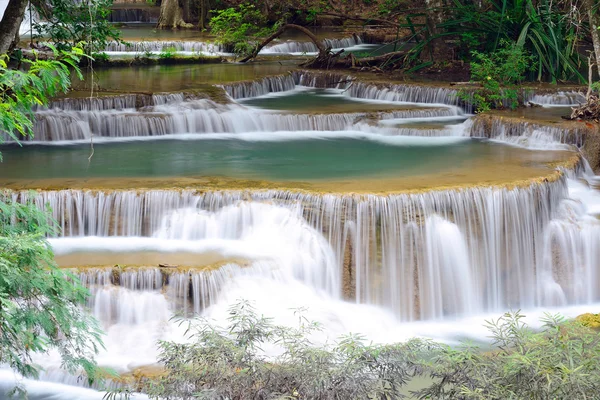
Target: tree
column 10, row 24
column 22, row 91
column 68, row 23
column 40, row 304
column 171, row 15
column 240, row 29
column 592, row 12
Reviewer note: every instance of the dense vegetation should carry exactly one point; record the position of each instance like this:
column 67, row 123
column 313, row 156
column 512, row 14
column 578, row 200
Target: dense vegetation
column 23, row 90
column 41, row 305
column 67, row 24
column 561, row 361
column 505, row 42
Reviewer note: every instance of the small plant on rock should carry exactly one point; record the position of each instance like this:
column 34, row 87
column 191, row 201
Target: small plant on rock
column 498, row 73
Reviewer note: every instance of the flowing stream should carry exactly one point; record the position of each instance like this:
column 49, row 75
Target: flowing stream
column 382, row 210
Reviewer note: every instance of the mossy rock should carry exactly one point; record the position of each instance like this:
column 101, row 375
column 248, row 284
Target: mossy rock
column 590, row 320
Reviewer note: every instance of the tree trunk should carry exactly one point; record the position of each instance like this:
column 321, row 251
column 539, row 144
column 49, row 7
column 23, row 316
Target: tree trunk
column 186, row 10
column 10, row 24
column 435, row 16
column 203, row 14
column 594, row 19
column 171, row 16
column 322, row 50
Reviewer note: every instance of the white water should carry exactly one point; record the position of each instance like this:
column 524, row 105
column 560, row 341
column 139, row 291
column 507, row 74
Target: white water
column 435, row 264
column 174, row 114
column 136, row 314
column 155, row 47
column 560, row 99
column 309, row 48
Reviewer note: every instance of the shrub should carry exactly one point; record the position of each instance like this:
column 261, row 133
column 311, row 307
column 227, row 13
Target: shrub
column 561, row 361
column 238, row 29
column 498, row 73
column 68, row 23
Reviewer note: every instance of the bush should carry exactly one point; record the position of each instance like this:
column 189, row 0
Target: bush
column 562, row 361
column 498, row 73
column 228, row 363
column 40, row 304
column 68, row 23
column 238, row 29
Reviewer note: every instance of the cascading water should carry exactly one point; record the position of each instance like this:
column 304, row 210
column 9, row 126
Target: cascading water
column 390, row 266
column 159, row 46
column 561, row 98
column 292, row 47
column 394, row 242
column 168, row 114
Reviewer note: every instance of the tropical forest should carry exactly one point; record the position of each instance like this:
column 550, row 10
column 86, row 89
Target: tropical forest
column 300, row 199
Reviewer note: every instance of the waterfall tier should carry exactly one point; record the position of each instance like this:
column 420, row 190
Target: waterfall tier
column 157, row 46
column 411, row 253
column 288, row 47
column 527, row 133
column 185, row 113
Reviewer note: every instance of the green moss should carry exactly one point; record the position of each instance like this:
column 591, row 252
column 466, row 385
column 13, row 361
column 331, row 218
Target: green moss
column 590, row 320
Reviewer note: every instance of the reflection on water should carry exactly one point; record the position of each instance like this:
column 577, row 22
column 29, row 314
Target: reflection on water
column 165, row 78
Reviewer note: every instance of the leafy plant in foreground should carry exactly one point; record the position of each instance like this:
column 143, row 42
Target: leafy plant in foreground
column 40, row 304
column 22, row 91
column 230, row 363
column 561, row 361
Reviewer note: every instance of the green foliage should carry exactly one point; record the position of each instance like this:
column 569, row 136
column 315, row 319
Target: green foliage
column 101, row 57
column 167, row 53
column 22, row 91
column 390, row 6
column 562, row 361
column 40, row 304
column 596, row 87
column 498, row 73
column 238, row 29
column 540, row 27
column 219, row 363
column 68, row 22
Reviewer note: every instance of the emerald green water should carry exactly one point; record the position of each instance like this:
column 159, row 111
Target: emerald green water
column 306, row 160
column 319, row 100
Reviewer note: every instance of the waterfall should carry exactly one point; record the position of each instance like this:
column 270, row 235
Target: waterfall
column 445, row 284
column 561, row 98
column 178, row 113
column 159, row 46
column 140, row 115
column 309, row 47
column 386, row 250
column 156, row 46
column 527, row 134
column 260, row 87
